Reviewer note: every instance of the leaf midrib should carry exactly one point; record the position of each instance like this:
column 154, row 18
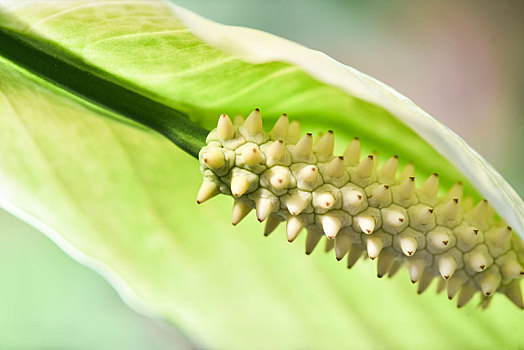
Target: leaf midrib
column 94, row 87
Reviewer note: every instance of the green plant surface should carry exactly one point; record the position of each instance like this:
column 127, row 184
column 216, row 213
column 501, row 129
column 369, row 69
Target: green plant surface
column 44, row 301
column 121, row 198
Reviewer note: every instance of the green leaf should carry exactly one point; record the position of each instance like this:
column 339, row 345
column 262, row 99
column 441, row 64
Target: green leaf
column 120, row 198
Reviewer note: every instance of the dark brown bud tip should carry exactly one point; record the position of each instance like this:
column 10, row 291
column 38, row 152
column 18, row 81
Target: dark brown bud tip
column 257, row 109
column 395, row 156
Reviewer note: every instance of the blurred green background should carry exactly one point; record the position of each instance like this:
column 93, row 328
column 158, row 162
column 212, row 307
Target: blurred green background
column 462, row 61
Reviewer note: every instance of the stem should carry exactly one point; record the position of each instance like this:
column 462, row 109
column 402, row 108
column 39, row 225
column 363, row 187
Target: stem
column 91, row 85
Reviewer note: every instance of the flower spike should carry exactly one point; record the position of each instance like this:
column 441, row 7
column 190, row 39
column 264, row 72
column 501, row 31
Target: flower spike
column 225, row 128
column 360, row 206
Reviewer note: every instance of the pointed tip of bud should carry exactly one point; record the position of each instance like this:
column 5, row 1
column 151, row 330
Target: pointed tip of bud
column 477, row 261
column 214, row 158
column 512, row 269
column 208, row 190
column 447, row 266
column 416, row 269
column 253, row 123
column 277, row 150
column 407, row 187
column 240, row 211
column 352, row 153
column 342, row 245
column 514, row 294
column 239, row 185
column 326, row 144
column 281, row 127
column 308, row 174
column 312, row 240
column 466, row 294
column 374, row 246
column 408, row 245
column 366, row 223
column 336, row 167
column 330, row 225
column 225, row 128
column 324, row 200
column 293, row 227
column 264, row 207
column 280, row 180
column 430, row 186
column 271, row 224
column 365, row 167
column 304, row 146
column 489, row 283
column 252, row 155
column 388, row 171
